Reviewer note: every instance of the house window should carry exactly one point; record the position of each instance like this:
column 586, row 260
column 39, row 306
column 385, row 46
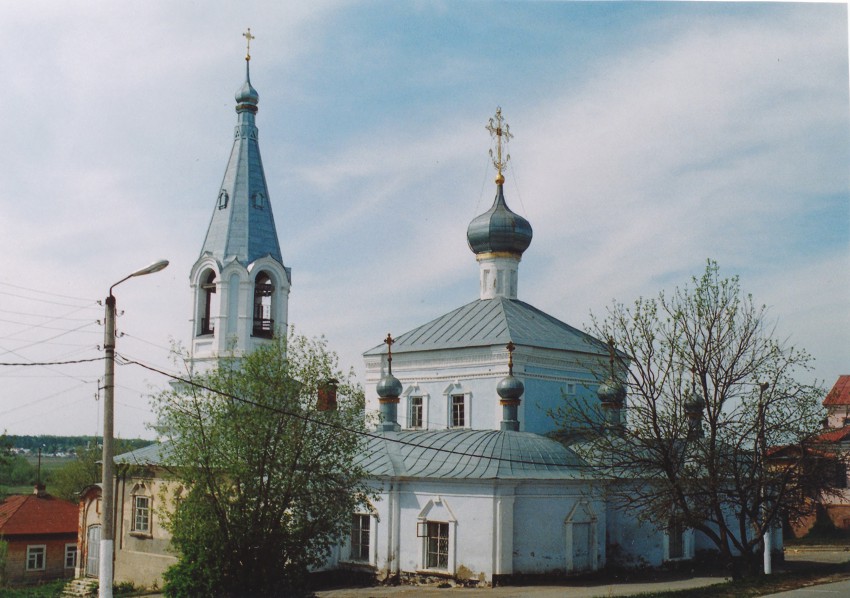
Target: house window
column 141, row 514
column 570, row 388
column 437, row 545
column 458, row 413
column 36, row 557
column 70, row 556
column 360, row 526
column 414, row 412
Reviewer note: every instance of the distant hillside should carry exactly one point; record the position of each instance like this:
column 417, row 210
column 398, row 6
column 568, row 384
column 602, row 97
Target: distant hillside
column 62, row 445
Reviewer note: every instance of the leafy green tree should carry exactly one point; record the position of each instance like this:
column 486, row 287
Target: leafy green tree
column 706, row 389
column 270, row 479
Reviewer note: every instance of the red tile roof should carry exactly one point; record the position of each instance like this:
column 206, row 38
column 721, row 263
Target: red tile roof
column 835, row 435
column 31, row 514
column 840, row 393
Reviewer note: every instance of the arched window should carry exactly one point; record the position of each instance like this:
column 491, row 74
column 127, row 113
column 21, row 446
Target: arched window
column 209, row 304
column 263, row 313
column 222, row 199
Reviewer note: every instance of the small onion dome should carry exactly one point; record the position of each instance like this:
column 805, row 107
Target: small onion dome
column 247, row 94
column 611, row 391
column 694, row 403
column 510, row 388
column 499, row 229
column 389, row 387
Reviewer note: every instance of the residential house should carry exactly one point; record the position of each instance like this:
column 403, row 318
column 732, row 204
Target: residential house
column 40, row 532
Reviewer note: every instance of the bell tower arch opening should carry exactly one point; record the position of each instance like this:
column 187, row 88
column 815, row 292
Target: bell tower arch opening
column 264, row 305
column 209, row 304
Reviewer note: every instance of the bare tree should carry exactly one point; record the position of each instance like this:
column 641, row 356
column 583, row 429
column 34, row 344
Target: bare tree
column 697, row 391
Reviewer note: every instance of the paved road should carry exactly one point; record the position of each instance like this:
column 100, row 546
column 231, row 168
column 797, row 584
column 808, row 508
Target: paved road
column 839, row 588
column 619, row 589
column 624, row 589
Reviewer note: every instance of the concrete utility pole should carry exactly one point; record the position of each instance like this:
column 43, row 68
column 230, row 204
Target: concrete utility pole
column 766, row 538
column 107, row 540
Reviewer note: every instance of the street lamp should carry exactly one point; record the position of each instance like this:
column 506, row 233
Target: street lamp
column 108, row 509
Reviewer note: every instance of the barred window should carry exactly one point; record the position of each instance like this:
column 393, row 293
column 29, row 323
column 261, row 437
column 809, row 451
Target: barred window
column 360, row 525
column 437, row 538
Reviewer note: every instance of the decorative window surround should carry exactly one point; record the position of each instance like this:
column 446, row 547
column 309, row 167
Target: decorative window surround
column 458, row 406
column 580, row 535
column 436, row 525
column 141, row 522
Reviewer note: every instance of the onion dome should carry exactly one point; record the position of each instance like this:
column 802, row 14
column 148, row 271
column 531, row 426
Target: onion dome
column 612, row 391
column 389, row 387
column 510, row 388
column 499, row 229
column 694, row 403
column 247, row 94
column 247, row 97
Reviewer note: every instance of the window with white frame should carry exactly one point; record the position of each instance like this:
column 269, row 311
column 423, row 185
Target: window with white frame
column 36, row 557
column 360, row 533
column 458, row 411
column 415, row 412
column 70, row 556
column 141, row 514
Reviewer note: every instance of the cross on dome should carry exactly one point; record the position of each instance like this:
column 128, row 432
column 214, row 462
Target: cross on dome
column 247, row 35
column 499, row 130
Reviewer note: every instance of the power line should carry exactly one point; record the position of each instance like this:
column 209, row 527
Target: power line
column 43, row 363
column 336, row 426
column 15, row 286
column 92, row 306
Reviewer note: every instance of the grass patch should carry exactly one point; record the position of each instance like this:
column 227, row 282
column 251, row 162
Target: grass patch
column 48, row 590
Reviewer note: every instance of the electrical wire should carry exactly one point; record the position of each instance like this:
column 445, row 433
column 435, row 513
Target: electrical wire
column 336, row 426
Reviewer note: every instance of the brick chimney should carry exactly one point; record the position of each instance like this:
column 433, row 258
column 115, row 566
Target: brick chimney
column 327, row 395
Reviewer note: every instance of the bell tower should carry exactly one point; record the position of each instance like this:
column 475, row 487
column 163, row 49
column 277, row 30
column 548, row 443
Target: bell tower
column 239, row 283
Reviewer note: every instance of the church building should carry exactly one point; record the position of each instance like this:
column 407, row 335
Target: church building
column 468, row 484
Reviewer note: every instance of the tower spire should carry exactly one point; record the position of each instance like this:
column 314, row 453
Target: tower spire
column 240, row 282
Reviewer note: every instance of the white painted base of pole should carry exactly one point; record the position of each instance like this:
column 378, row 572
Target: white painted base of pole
column 104, row 589
column 768, row 568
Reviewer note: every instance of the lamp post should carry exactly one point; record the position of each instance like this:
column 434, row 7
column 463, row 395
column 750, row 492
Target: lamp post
column 108, row 508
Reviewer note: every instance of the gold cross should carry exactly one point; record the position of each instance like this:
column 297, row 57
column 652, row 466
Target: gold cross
column 247, row 35
column 498, row 130
column 389, row 341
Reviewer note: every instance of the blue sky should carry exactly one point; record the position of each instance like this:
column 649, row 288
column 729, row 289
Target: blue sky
column 648, row 137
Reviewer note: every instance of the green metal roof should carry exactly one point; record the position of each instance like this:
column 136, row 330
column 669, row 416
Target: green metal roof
column 486, row 322
column 469, row 454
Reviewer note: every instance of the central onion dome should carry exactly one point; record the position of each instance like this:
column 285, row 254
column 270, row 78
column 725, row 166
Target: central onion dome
column 499, row 229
